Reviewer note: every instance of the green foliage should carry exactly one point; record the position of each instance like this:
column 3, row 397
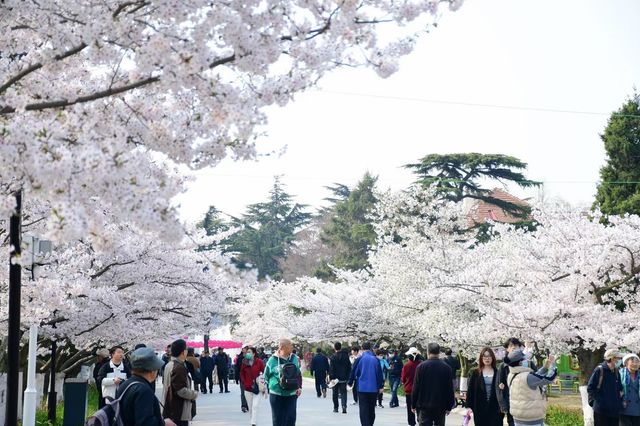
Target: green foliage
column 457, row 176
column 349, row 231
column 268, row 230
column 42, row 414
column 213, row 223
column 619, row 190
column 560, row 416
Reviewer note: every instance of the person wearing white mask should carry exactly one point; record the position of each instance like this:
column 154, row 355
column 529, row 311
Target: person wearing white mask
column 630, row 415
column 605, row 389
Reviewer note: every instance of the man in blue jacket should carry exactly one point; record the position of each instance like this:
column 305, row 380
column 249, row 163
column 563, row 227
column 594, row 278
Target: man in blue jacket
column 605, row 390
column 370, row 383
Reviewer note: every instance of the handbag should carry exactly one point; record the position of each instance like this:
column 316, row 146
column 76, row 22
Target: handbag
column 255, row 389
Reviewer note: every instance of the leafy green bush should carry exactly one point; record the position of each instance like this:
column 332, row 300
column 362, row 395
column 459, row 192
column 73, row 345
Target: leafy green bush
column 561, row 416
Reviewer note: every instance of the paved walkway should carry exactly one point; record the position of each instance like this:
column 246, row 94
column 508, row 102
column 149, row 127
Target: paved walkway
column 224, row 410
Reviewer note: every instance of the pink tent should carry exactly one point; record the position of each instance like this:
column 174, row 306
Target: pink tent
column 226, row 344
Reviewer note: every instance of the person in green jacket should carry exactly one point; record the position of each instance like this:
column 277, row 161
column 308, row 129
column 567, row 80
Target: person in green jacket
column 283, row 397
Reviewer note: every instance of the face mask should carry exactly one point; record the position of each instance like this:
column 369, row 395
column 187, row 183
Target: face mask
column 619, row 363
column 525, row 363
column 248, row 355
column 380, row 358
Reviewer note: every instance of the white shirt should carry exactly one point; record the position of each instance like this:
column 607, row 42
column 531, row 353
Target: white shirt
column 109, row 386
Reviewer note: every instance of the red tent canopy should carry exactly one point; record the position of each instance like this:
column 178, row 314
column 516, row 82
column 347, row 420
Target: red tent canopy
column 226, row 344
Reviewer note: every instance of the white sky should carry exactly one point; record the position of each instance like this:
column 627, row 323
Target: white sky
column 577, row 55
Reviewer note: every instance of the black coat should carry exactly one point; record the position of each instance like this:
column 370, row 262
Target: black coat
column 222, row 362
column 319, row 366
column 485, row 412
column 433, row 387
column 206, row 365
column 139, row 406
column 340, row 367
column 395, row 366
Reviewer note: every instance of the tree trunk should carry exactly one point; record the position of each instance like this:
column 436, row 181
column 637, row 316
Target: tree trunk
column 588, row 360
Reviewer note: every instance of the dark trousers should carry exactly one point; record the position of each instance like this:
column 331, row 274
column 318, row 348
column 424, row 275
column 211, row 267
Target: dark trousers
column 340, row 391
column 430, row 418
column 181, row 423
column 321, row 383
column 355, row 391
column 367, row 405
column 243, row 399
column 223, row 379
column 411, row 416
column 207, row 377
column 601, row 420
column 283, row 409
column 394, row 384
column 629, row 420
column 380, row 399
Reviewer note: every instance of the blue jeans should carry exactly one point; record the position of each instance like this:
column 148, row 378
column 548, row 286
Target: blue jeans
column 394, row 384
column 283, row 409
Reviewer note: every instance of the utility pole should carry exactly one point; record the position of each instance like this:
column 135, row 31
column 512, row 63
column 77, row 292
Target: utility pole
column 13, row 339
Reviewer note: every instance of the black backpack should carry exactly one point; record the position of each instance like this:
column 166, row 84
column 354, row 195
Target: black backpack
column 288, row 376
column 109, row 415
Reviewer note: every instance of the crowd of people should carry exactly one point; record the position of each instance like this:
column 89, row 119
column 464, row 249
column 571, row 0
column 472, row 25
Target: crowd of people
column 512, row 390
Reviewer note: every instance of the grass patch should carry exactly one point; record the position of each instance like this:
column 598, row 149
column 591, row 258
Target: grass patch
column 562, row 416
column 42, row 414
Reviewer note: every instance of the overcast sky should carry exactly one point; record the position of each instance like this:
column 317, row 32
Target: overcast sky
column 480, row 82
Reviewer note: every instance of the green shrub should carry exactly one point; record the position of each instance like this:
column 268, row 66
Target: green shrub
column 561, row 416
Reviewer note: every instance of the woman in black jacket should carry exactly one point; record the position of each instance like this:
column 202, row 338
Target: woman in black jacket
column 481, row 395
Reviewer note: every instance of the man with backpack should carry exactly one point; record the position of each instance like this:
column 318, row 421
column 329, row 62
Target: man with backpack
column 605, row 390
column 283, row 377
column 138, row 403
column 395, row 372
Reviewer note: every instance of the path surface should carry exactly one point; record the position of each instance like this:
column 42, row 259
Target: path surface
column 224, row 410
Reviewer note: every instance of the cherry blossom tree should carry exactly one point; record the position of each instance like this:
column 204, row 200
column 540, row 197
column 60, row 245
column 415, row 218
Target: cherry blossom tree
column 100, row 101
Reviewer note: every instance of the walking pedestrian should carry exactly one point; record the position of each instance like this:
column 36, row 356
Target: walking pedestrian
column 354, row 358
column 384, row 364
column 251, row 372
column 481, row 395
column 319, row 369
column 206, row 372
column 340, row 369
column 193, row 365
column 139, row 405
column 222, row 365
column 605, row 390
column 179, row 396
column 102, row 358
column 407, row 377
column 113, row 373
column 432, row 395
column 166, row 357
column 454, row 363
column 244, row 406
column 630, row 415
column 282, row 374
column 395, row 372
column 527, row 402
column 368, row 374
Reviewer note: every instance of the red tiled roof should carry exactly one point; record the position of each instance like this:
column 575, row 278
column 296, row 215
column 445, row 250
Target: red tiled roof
column 481, row 211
